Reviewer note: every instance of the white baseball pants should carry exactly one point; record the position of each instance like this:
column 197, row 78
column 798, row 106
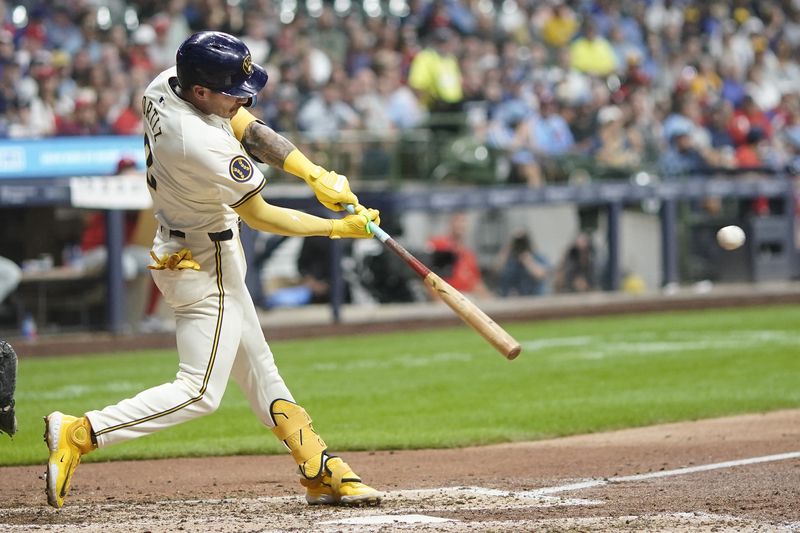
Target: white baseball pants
column 218, row 335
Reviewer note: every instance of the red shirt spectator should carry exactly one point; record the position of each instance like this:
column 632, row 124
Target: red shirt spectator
column 94, row 233
column 747, row 117
column 458, row 264
column 465, row 273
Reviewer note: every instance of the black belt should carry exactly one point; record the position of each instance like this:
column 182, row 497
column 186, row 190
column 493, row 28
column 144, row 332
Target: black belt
column 215, row 236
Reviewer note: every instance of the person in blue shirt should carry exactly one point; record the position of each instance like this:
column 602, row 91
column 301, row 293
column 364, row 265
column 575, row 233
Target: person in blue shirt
column 551, row 132
column 521, row 269
column 681, row 157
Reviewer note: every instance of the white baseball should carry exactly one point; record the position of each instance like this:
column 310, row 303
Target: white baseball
column 730, row 237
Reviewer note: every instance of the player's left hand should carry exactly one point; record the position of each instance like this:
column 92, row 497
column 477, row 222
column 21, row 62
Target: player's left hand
column 333, row 189
column 355, row 226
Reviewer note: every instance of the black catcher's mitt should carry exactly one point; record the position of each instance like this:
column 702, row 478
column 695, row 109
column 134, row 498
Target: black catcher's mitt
column 8, row 381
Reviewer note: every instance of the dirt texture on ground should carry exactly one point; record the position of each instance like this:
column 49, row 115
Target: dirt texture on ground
column 645, row 479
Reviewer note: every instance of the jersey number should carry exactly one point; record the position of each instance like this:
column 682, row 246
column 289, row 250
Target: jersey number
column 148, row 152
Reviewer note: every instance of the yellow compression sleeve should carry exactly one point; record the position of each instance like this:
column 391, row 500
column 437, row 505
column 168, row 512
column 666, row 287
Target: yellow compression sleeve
column 262, row 216
column 298, row 164
column 240, row 121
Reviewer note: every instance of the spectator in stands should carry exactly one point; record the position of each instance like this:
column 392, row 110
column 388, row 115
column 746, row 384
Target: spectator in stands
column 748, row 154
column 748, row 115
column 681, row 156
column 732, row 88
column 455, row 261
column 552, row 137
column 706, row 82
column 645, row 124
column 315, row 268
column 435, row 74
column 359, row 53
column 402, row 107
column 510, row 131
column 280, row 112
column 455, row 14
column 623, row 49
column 330, row 37
column 765, row 94
column 129, row 120
column 316, row 67
column 9, row 86
column 592, row 53
column 577, row 271
column 326, row 114
column 560, row 25
column 719, row 118
column 520, row 269
column 84, row 119
column 45, row 103
column 18, row 116
column 785, row 71
column 617, row 147
column 62, row 32
column 176, row 13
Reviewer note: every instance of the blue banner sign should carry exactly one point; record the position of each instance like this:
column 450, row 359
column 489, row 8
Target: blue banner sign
column 67, row 156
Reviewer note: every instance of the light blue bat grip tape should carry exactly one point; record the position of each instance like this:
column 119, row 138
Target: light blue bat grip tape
column 374, row 228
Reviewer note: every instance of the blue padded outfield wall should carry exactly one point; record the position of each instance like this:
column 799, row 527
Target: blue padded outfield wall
column 67, row 156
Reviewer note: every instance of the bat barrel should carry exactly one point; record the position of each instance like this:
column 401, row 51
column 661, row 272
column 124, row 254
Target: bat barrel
column 470, row 313
column 465, row 309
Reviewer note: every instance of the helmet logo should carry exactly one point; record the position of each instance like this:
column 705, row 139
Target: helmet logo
column 247, row 65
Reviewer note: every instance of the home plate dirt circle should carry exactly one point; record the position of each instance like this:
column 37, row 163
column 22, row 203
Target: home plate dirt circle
column 728, row 474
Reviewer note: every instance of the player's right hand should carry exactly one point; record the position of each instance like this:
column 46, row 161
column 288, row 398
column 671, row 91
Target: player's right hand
column 355, row 226
column 332, row 189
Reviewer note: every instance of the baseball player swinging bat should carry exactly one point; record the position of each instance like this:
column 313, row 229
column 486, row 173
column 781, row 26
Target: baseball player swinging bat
column 465, row 309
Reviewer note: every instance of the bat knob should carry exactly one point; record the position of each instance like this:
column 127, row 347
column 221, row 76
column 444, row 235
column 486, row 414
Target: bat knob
column 513, row 352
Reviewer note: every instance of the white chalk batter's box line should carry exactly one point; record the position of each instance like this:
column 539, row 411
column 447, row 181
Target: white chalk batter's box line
column 592, row 483
column 541, row 497
column 535, row 494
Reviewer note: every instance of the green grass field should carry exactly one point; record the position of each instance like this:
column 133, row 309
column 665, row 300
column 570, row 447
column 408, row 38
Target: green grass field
column 447, row 388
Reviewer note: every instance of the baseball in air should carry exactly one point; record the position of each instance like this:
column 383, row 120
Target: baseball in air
column 730, row 237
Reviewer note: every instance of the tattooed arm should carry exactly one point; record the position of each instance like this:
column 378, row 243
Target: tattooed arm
column 264, row 143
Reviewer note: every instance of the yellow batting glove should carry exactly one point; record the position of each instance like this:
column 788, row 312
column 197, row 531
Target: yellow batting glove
column 330, row 188
column 181, row 260
column 355, row 226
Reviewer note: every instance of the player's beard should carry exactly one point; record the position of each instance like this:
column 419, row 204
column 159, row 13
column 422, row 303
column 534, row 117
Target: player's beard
column 234, row 110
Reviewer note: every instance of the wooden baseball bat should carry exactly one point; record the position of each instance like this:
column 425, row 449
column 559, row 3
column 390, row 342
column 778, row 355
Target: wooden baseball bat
column 464, row 308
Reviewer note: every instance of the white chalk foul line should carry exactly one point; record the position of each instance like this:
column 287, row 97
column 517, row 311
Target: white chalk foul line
column 542, row 500
column 591, row 483
column 389, row 519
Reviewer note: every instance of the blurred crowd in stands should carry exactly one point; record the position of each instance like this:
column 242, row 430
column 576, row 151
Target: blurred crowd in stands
column 672, row 86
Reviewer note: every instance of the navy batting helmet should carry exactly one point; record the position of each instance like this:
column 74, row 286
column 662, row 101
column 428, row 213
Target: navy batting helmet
column 220, row 62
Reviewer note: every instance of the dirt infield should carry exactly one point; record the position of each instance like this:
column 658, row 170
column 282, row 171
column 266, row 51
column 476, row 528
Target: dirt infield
column 729, row 474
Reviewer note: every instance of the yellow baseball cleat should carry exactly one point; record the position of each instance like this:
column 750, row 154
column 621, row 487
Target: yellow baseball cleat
column 67, row 438
column 339, row 485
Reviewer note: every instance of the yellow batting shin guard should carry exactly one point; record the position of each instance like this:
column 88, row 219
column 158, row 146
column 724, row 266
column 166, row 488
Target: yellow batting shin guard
column 293, row 428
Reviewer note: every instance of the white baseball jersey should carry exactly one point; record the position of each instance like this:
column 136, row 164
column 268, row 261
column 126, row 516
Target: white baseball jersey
column 198, row 171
